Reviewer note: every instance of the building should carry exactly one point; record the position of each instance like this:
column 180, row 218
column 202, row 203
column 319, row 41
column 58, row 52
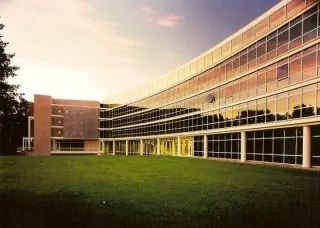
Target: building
column 253, row 97
column 59, row 126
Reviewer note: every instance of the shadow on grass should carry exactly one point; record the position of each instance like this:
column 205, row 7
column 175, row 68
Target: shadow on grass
column 63, row 209
column 24, row 209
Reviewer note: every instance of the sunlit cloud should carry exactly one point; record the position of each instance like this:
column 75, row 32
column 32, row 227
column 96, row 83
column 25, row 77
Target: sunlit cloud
column 167, row 21
column 170, row 21
column 148, row 10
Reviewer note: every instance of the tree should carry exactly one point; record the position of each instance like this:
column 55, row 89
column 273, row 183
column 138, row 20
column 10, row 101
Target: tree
column 13, row 107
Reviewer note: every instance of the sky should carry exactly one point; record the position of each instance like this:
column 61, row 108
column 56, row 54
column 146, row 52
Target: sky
column 92, row 49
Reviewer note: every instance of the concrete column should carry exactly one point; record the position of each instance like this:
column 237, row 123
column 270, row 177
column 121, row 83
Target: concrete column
column 205, row 146
column 29, row 133
column 306, row 160
column 179, row 147
column 158, row 147
column 127, row 147
column 54, row 145
column 243, row 146
column 141, row 147
column 113, row 147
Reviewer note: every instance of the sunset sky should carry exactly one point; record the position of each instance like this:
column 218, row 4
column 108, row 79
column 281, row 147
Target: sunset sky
column 81, row 49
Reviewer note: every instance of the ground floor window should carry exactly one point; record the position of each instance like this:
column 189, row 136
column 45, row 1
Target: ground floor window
column 315, row 146
column 120, row 147
column 198, row 146
column 279, row 145
column 108, row 147
column 169, row 146
column 68, row 145
column 133, row 147
column 150, row 146
column 224, row 146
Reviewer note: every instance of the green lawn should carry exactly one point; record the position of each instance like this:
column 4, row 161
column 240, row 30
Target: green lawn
column 92, row 191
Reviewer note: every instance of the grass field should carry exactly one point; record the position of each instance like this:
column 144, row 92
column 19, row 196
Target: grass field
column 81, row 191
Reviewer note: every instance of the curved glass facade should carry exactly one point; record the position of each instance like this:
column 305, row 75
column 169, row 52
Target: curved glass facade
column 264, row 77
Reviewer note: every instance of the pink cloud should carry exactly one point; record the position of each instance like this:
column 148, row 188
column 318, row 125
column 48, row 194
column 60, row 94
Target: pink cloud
column 170, row 21
column 167, row 21
column 148, row 10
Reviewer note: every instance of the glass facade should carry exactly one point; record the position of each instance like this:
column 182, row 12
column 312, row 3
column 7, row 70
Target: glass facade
column 268, row 73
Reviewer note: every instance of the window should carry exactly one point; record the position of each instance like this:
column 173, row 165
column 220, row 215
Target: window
column 229, row 90
column 309, row 61
column 310, row 23
column 236, row 63
column 243, row 85
column 282, row 105
column 295, row 31
column 295, row 103
column 282, row 72
column 252, row 55
column 222, row 92
column 283, row 38
column 272, row 44
column 229, row 68
column 252, row 84
column 295, row 66
column 261, row 79
column 261, row 50
column 271, row 75
column 243, row 59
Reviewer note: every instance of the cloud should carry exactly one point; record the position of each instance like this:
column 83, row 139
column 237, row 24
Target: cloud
column 65, row 43
column 167, row 21
column 170, row 21
column 148, row 10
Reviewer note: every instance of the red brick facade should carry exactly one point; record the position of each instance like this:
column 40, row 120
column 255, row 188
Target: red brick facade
column 42, row 124
column 60, row 119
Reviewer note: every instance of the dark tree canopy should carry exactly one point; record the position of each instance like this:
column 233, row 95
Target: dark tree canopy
column 13, row 107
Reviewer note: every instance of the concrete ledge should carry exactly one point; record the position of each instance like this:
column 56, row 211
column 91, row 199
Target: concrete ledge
column 287, row 165
column 74, row 152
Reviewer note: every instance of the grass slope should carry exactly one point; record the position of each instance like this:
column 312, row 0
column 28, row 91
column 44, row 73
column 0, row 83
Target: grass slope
column 124, row 191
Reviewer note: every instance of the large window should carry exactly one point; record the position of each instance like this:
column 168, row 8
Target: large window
column 224, row 146
column 315, row 152
column 280, row 145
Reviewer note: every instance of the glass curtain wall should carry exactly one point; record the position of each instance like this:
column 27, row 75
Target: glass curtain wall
column 292, row 104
